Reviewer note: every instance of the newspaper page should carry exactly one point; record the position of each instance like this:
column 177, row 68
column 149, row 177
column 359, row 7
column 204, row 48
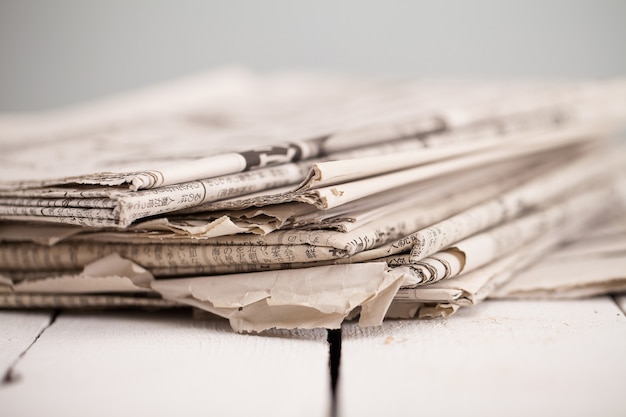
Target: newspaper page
column 589, row 266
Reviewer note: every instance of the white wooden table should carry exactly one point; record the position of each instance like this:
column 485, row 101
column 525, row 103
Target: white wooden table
column 554, row 358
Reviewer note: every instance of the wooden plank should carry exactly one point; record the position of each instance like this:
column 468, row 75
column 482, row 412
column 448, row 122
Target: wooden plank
column 165, row 364
column 18, row 330
column 513, row 358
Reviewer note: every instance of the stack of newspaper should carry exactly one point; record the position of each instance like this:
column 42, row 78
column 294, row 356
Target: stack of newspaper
column 300, row 200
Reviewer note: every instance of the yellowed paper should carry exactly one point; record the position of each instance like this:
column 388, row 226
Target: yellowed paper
column 305, row 298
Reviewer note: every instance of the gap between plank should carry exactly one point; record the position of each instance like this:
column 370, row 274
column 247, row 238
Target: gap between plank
column 8, row 376
column 334, row 362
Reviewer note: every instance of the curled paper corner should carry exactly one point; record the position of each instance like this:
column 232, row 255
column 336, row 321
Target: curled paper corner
column 111, row 273
column 317, row 297
column 5, row 282
column 114, row 265
column 373, row 311
column 437, row 310
column 200, row 229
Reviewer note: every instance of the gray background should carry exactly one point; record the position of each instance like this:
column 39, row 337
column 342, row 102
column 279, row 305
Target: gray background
column 55, row 52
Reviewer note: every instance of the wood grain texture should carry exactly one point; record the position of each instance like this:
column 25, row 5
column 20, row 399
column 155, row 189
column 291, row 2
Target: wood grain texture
column 18, row 330
column 513, row 358
column 165, row 364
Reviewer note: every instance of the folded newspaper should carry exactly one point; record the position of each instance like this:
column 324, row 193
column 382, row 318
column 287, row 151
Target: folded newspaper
column 300, row 200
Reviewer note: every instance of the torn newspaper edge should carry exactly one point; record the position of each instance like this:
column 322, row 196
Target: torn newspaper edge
column 307, row 298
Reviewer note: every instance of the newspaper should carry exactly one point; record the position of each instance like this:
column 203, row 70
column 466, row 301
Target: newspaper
column 109, row 208
column 297, row 216
column 122, row 207
column 134, row 141
column 501, row 277
column 299, row 201
column 510, row 204
column 482, row 248
column 295, row 248
column 111, row 282
column 83, row 301
column 445, row 297
column 583, row 268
